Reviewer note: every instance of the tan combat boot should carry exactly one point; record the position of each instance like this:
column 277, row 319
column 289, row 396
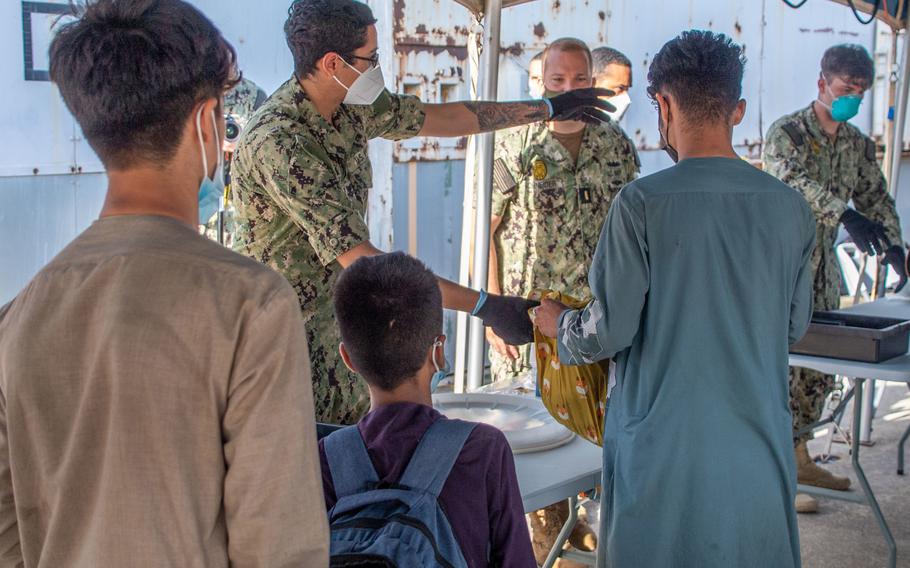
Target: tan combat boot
column 806, row 503
column 809, row 473
column 545, row 525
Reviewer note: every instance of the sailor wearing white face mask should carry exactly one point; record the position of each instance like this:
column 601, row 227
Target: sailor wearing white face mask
column 613, row 71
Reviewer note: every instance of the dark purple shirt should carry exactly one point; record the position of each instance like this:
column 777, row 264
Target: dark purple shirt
column 481, row 498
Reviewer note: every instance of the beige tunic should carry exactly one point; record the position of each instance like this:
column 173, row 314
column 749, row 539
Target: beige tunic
column 156, row 409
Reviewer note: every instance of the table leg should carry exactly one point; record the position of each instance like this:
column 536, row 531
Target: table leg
column 900, row 451
column 601, row 552
column 861, row 475
column 866, row 416
column 563, row 533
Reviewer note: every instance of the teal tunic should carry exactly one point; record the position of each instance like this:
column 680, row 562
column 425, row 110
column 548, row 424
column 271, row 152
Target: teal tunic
column 701, row 280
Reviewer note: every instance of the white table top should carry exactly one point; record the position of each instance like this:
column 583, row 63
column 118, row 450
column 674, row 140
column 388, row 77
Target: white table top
column 897, row 369
column 555, row 475
column 891, row 307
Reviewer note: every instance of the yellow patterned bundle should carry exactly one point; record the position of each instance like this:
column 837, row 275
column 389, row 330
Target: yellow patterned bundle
column 575, row 396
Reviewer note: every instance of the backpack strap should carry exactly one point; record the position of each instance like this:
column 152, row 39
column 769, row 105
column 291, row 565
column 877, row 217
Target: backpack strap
column 435, row 455
column 349, row 463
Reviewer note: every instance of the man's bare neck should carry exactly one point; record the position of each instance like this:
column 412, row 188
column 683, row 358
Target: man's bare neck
column 825, row 120
column 321, row 96
column 151, row 192
column 707, row 142
column 409, row 391
column 566, row 126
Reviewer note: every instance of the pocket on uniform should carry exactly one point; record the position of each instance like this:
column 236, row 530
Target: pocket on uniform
column 549, row 194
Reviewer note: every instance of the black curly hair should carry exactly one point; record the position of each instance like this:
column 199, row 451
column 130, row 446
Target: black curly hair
column 317, row 27
column 703, row 71
column 850, row 60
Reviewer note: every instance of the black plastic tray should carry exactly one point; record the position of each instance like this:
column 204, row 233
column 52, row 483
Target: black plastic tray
column 842, row 335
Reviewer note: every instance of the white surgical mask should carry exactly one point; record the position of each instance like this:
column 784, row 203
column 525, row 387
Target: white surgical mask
column 366, row 88
column 621, row 102
column 211, row 190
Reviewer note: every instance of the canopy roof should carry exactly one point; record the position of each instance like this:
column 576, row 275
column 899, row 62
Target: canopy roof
column 891, row 12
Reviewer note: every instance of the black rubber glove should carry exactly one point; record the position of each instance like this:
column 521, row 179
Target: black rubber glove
column 508, row 316
column 896, row 258
column 582, row 104
column 868, row 235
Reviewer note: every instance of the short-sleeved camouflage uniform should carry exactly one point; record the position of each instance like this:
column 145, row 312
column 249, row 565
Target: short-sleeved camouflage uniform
column 829, row 173
column 300, row 193
column 552, row 211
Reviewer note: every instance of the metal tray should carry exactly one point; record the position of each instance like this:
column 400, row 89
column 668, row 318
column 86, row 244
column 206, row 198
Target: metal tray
column 842, row 335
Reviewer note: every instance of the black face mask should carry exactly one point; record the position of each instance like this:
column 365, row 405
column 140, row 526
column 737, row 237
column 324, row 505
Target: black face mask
column 665, row 138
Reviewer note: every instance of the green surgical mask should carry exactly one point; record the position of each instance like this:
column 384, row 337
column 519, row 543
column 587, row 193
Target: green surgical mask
column 548, row 94
column 844, row 108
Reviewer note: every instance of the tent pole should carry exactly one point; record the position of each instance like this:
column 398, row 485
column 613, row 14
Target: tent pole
column 467, row 216
column 489, row 75
column 897, row 141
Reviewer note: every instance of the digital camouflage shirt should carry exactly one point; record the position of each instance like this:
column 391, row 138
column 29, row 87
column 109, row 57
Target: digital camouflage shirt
column 829, row 173
column 300, row 187
column 553, row 210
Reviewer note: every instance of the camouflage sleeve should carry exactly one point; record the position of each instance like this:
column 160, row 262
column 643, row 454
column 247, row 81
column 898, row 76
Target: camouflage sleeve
column 394, row 117
column 507, row 170
column 870, row 196
column 785, row 161
column 310, row 194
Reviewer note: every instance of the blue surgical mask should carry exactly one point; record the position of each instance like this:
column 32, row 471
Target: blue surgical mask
column 845, row 107
column 211, row 191
column 440, row 373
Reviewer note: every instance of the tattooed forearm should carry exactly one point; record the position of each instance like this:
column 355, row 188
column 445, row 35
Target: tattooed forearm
column 493, row 116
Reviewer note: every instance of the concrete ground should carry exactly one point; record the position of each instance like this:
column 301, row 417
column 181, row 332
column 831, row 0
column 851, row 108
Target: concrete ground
column 846, row 535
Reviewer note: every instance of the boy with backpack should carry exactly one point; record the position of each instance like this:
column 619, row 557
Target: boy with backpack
column 406, row 486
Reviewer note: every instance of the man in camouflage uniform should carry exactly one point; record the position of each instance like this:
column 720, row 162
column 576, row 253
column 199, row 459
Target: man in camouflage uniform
column 831, row 162
column 553, row 185
column 550, row 199
column 239, row 105
column 302, row 175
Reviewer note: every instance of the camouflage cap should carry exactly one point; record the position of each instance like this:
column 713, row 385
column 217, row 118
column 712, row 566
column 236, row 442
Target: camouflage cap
column 242, row 100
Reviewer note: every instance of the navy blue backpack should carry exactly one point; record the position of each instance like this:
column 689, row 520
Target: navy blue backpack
column 396, row 525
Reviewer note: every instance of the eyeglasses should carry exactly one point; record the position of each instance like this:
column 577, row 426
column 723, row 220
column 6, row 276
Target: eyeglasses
column 374, row 60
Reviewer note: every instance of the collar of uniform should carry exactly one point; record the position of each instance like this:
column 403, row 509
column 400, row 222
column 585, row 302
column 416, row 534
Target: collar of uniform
column 555, row 151
column 845, row 134
column 310, row 119
column 549, row 146
column 812, row 125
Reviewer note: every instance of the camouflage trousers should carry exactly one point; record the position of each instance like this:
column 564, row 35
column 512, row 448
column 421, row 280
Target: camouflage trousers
column 808, row 391
column 340, row 396
column 503, row 368
column 808, row 388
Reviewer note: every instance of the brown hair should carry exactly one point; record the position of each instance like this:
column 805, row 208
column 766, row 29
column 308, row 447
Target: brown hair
column 568, row 44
